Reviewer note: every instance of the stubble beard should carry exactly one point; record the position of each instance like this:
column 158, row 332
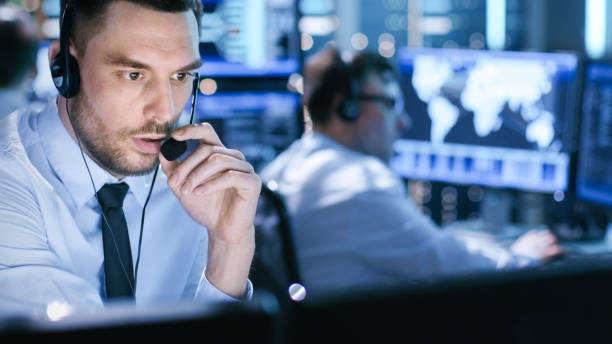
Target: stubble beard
column 105, row 147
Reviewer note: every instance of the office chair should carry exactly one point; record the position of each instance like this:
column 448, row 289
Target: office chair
column 275, row 266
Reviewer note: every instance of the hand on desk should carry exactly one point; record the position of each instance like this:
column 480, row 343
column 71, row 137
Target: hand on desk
column 537, row 244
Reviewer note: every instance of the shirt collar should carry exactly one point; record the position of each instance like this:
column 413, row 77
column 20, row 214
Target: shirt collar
column 66, row 160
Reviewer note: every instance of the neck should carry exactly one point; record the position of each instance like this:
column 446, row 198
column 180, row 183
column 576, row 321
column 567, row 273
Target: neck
column 338, row 130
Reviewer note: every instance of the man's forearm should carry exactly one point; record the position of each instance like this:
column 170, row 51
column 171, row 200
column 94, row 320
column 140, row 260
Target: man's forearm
column 229, row 264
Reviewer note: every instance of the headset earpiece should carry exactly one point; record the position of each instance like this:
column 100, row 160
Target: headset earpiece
column 349, row 108
column 64, row 67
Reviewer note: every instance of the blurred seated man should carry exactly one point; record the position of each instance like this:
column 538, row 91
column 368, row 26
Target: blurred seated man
column 353, row 224
column 18, row 44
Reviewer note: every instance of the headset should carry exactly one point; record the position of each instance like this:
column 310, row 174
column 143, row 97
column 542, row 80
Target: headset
column 66, row 77
column 349, row 108
column 64, row 67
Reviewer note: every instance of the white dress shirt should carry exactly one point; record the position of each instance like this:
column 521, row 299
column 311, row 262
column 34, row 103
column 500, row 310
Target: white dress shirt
column 354, row 226
column 50, row 230
column 11, row 100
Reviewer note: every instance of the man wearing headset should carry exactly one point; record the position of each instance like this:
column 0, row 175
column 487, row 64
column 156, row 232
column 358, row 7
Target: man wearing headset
column 76, row 177
column 353, row 224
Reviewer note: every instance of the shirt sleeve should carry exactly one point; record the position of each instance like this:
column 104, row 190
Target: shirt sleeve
column 32, row 275
column 409, row 242
column 207, row 292
column 381, row 238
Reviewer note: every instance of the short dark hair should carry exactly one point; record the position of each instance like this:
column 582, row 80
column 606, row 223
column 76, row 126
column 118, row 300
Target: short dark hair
column 18, row 55
column 337, row 79
column 93, row 13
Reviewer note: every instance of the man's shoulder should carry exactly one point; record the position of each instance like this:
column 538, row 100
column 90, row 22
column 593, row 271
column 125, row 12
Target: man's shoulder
column 320, row 172
column 15, row 165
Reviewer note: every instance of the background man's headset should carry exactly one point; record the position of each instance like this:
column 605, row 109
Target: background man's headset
column 67, row 80
column 349, row 108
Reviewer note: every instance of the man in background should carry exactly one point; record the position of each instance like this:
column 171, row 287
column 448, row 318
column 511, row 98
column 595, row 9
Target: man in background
column 353, row 224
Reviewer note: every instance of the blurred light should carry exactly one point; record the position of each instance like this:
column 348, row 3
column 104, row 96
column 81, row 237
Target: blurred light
column 559, row 196
column 386, row 37
column 294, row 80
column 477, row 40
column 296, row 83
column 435, row 25
column 50, row 28
column 299, row 85
column 57, row 310
column 496, row 24
column 359, row 41
column 316, row 7
column 595, row 31
column 208, row 86
column 297, row 292
column 307, row 42
column 386, row 49
column 319, row 26
column 272, row 185
column 437, row 7
column 347, row 56
column 475, row 193
column 255, row 22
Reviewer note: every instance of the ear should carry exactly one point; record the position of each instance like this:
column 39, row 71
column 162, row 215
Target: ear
column 54, row 49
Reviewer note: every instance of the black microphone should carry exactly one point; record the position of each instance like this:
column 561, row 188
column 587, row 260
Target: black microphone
column 171, row 149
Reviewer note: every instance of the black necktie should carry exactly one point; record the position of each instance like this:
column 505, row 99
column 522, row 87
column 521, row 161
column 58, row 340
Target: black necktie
column 117, row 251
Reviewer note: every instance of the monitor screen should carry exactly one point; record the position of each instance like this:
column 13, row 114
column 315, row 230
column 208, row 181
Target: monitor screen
column 259, row 124
column 594, row 175
column 501, row 119
column 256, row 38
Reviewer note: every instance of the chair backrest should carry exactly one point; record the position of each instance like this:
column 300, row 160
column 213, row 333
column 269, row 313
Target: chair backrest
column 275, row 267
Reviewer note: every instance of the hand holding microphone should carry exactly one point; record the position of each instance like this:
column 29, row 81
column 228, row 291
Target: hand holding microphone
column 219, row 189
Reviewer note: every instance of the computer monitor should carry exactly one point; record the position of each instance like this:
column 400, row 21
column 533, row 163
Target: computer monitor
column 255, row 38
column 501, row 119
column 259, row 124
column 594, row 173
column 233, row 322
column 549, row 304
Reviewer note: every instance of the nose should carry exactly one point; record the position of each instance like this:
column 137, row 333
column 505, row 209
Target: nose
column 161, row 106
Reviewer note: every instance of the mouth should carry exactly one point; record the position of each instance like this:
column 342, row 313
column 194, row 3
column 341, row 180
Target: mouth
column 148, row 144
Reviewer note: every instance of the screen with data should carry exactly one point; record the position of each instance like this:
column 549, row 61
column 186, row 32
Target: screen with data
column 259, row 124
column 242, row 38
column 502, row 119
column 594, row 177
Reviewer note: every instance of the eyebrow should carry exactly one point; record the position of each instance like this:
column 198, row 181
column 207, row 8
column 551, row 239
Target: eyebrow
column 124, row 61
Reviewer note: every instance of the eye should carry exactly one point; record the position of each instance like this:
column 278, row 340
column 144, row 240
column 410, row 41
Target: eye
column 180, row 76
column 134, row 76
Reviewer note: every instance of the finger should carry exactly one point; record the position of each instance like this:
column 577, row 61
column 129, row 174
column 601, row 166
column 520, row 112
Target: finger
column 196, row 158
column 204, row 132
column 217, row 163
column 228, row 180
column 167, row 166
